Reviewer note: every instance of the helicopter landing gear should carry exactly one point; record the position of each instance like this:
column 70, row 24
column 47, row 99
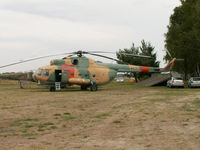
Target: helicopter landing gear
column 84, row 87
column 93, row 87
column 52, row 89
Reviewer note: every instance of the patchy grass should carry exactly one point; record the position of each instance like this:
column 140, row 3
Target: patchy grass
column 70, row 117
column 118, row 116
column 15, row 124
column 29, row 126
column 102, row 115
column 86, row 136
column 67, row 113
column 197, row 103
column 158, row 100
column 28, row 134
column 117, row 121
column 43, row 125
column 57, row 114
column 187, row 107
column 53, row 127
column 31, row 119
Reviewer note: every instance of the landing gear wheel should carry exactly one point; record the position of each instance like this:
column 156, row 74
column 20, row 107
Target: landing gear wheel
column 84, row 87
column 94, row 87
column 52, row 89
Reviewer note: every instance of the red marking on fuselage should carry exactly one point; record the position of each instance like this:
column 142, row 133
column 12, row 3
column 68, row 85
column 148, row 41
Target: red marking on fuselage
column 70, row 69
column 145, row 69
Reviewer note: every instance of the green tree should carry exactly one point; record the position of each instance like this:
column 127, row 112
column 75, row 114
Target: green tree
column 182, row 38
column 146, row 49
column 121, row 55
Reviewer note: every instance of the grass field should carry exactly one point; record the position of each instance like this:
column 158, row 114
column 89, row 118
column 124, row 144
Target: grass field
column 120, row 116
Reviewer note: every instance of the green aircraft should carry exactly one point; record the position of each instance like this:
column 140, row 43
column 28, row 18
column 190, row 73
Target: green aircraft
column 83, row 71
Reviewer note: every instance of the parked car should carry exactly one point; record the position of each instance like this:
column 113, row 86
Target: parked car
column 120, row 77
column 194, row 82
column 175, row 82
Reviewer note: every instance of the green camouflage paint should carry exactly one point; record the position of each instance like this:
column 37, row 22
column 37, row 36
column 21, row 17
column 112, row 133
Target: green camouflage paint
column 86, row 71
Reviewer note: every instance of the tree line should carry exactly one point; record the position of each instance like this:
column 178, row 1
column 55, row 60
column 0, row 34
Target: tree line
column 183, row 37
column 146, row 49
column 182, row 41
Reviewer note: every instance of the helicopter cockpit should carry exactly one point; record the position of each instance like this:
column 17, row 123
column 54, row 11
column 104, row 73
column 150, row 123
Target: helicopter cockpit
column 42, row 72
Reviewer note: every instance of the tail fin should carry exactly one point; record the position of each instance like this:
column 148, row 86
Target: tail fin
column 169, row 66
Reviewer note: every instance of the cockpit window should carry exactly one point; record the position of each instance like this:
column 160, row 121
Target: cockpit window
column 46, row 73
column 39, row 72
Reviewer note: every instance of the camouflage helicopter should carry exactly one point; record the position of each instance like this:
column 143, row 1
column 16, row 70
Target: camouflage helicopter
column 83, row 71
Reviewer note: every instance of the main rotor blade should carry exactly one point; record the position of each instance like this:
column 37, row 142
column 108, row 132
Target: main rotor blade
column 32, row 59
column 134, row 55
column 107, row 57
column 100, row 52
column 143, row 56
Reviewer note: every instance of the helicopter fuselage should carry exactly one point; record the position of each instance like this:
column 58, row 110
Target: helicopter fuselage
column 78, row 70
column 84, row 71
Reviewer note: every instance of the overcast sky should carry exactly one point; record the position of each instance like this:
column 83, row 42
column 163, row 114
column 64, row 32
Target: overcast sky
column 32, row 28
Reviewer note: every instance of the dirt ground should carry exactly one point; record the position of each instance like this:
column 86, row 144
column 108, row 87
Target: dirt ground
column 120, row 116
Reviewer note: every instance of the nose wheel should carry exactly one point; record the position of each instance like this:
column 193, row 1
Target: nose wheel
column 94, row 87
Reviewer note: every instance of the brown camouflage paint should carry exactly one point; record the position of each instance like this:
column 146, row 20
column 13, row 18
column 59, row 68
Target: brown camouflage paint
column 79, row 81
column 134, row 67
column 51, row 71
column 68, row 61
column 101, row 72
column 97, row 72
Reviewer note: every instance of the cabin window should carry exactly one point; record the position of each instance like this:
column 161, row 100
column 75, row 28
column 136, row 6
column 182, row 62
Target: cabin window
column 46, row 73
column 75, row 62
